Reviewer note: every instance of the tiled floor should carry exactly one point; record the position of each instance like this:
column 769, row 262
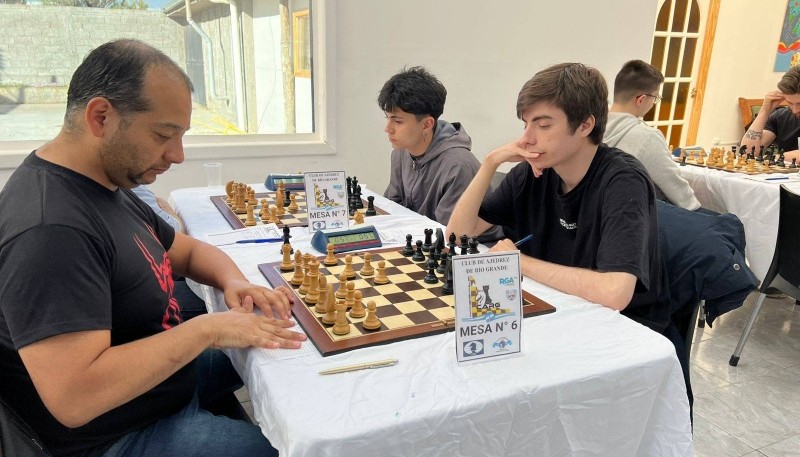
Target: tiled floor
column 749, row 410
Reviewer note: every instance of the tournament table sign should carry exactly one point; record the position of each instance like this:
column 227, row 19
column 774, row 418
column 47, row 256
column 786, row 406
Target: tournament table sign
column 488, row 305
column 326, row 200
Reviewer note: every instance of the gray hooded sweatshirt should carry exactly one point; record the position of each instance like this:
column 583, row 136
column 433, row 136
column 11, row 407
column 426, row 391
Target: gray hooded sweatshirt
column 432, row 183
column 630, row 133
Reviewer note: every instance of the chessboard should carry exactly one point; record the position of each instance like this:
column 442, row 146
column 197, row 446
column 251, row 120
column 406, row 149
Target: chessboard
column 298, row 218
column 756, row 168
column 728, row 160
column 406, row 306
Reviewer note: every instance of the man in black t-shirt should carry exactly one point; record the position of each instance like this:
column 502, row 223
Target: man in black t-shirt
column 94, row 354
column 780, row 126
column 590, row 208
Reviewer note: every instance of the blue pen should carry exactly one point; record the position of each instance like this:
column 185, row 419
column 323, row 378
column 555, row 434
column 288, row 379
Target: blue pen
column 776, row 179
column 260, row 240
column 523, row 240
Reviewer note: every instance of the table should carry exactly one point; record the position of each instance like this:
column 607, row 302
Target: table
column 589, row 381
column 755, row 203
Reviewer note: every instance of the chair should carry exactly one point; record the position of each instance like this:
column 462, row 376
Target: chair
column 17, row 439
column 749, row 107
column 784, row 271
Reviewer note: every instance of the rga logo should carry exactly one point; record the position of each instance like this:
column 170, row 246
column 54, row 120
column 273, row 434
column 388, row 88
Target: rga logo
column 507, row 281
column 568, row 226
column 337, row 186
column 472, row 348
column 337, row 224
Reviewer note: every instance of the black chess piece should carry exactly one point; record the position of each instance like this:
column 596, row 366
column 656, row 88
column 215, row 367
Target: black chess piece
column 286, row 235
column 370, row 206
column 464, row 245
column 426, row 246
column 432, row 256
column 447, row 288
column 418, row 255
column 439, row 243
column 441, row 257
column 451, row 245
column 431, row 278
column 287, row 201
column 683, row 160
column 473, row 246
column 794, row 163
column 408, row 250
column 357, row 199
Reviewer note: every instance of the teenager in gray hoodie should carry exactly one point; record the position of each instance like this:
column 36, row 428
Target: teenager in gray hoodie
column 635, row 93
column 431, row 159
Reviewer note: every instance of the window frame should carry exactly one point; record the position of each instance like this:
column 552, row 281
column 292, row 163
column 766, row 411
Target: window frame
column 204, row 147
column 302, row 67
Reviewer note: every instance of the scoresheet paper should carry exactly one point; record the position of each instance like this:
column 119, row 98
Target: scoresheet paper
column 259, row 232
column 488, row 305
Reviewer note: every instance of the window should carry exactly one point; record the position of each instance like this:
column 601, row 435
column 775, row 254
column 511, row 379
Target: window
column 301, row 39
column 246, row 80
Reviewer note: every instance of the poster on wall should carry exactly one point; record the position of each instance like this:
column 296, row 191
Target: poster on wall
column 788, row 54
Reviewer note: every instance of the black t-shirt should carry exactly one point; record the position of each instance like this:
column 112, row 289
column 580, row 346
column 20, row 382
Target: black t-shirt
column 786, row 127
column 607, row 223
column 75, row 256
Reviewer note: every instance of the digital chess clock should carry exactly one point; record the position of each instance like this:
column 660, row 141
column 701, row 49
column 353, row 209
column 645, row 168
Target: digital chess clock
column 290, row 181
column 352, row 239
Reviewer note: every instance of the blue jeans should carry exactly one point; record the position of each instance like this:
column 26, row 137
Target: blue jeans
column 194, row 431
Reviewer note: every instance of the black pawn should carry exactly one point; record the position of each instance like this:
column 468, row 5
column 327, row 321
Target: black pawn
column 357, row 200
column 431, row 278
column 426, row 246
column 418, row 255
column 794, row 164
column 447, row 288
column 441, row 257
column 287, row 201
column 370, row 206
column 408, row 250
column 473, row 246
column 464, row 245
column 451, row 245
column 286, row 235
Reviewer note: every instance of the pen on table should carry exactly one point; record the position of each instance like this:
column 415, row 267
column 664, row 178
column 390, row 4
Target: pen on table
column 523, row 240
column 361, row 366
column 776, row 179
column 260, row 240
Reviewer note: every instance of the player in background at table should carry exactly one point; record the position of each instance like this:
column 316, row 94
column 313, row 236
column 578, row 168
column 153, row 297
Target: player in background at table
column 779, row 125
column 95, row 355
column 431, row 163
column 592, row 211
column 636, row 89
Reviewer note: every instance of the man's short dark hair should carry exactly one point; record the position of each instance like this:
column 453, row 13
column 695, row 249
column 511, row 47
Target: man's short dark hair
column 574, row 88
column 116, row 71
column 414, row 91
column 636, row 77
column 790, row 82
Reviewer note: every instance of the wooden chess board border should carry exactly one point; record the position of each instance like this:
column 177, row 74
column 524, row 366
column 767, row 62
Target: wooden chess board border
column 773, row 169
column 532, row 306
column 235, row 222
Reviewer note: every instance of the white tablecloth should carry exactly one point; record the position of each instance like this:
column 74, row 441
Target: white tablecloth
column 755, row 203
column 588, row 382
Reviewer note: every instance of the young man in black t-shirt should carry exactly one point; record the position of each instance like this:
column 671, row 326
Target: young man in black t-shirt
column 591, row 208
column 780, row 126
column 94, row 354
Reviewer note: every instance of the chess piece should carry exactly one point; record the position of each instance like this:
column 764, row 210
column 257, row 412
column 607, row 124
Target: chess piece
column 426, row 246
column 451, row 245
column 464, row 245
column 418, row 255
column 357, row 199
column 381, row 277
column 370, row 206
column 264, row 211
column 293, row 207
column 286, row 264
column 348, row 267
column 313, row 286
column 358, row 218
column 273, row 215
column 431, row 278
column 297, row 279
column 367, row 269
column 330, row 308
column 279, row 205
column 229, row 192
column 322, row 303
column 408, row 250
column 341, row 326
column 473, row 246
column 440, row 259
column 447, row 288
column 350, row 300
column 306, row 278
column 286, row 236
column 281, row 188
column 251, row 218
column 371, row 322
column 341, row 292
column 357, row 311
column 287, row 198
column 330, row 259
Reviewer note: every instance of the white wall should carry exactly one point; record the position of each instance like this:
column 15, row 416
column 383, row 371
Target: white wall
column 742, row 63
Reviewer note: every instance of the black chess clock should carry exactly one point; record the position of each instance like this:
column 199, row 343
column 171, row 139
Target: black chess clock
column 343, row 240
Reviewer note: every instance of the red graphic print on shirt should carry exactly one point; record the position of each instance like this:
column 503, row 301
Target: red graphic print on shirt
column 163, row 274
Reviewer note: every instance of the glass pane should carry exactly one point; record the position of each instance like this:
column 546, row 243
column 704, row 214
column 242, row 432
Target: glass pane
column 688, row 57
column 680, row 15
column 649, row 116
column 663, row 129
column 674, row 137
column 672, row 57
column 272, row 96
column 694, row 18
column 666, row 103
column 663, row 16
column 657, row 59
column 680, row 103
